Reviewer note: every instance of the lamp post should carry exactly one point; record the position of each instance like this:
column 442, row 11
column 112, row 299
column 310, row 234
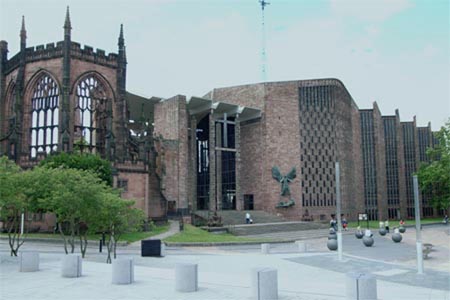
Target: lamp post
column 418, row 232
column 338, row 211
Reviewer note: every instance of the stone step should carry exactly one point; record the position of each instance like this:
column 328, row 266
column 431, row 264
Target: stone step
column 232, row 217
column 292, row 235
column 296, row 235
column 258, row 229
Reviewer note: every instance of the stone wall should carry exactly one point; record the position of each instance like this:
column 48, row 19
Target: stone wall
column 137, row 185
column 380, row 160
column 172, row 144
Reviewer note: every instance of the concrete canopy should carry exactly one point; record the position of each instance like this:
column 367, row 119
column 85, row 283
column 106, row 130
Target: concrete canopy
column 200, row 107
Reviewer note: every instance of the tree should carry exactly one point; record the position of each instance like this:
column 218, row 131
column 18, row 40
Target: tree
column 74, row 196
column 13, row 203
column 116, row 217
column 435, row 175
column 82, row 161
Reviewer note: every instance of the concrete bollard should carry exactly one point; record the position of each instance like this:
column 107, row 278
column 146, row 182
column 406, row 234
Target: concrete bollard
column 360, row 286
column 302, row 247
column 265, row 248
column 29, row 262
column 186, row 277
column 123, row 271
column 71, row 266
column 332, row 245
column 264, row 284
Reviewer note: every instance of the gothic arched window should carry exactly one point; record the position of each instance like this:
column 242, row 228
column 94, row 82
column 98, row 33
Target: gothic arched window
column 44, row 116
column 91, row 115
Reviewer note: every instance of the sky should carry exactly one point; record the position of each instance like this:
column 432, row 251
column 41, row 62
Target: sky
column 394, row 52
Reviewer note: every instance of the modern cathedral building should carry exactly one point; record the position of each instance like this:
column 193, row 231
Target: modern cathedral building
column 215, row 152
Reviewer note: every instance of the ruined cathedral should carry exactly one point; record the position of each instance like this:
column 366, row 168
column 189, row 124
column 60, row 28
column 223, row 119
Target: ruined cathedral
column 231, row 149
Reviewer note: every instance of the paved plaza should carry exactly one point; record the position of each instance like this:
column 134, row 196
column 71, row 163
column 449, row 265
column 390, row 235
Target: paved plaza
column 225, row 271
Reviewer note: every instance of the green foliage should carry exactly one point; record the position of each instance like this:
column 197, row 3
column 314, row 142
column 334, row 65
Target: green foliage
column 11, row 193
column 81, row 161
column 434, row 177
column 13, row 202
column 68, row 186
column 116, row 217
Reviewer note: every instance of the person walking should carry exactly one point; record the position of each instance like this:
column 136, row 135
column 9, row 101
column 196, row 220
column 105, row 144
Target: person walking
column 386, row 225
column 247, row 218
column 344, row 224
column 333, row 223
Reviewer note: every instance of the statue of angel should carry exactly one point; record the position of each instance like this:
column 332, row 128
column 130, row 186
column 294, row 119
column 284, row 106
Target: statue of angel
column 284, row 180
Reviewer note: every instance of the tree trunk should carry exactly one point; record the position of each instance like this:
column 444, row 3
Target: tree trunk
column 83, row 245
column 72, row 237
column 64, row 237
column 14, row 236
column 116, row 238
column 109, row 248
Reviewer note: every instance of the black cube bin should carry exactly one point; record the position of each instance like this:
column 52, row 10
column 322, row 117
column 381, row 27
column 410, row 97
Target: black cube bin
column 151, row 248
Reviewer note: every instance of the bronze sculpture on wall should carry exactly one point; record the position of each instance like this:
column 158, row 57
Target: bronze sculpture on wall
column 284, row 180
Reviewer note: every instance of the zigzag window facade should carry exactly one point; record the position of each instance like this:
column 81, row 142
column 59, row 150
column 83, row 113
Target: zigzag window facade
column 409, row 141
column 392, row 180
column 317, row 145
column 369, row 164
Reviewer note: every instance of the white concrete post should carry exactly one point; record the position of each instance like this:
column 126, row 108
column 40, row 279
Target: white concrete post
column 71, row 266
column 418, row 229
column 361, row 286
column 186, row 277
column 29, row 262
column 22, row 222
column 123, row 271
column 302, row 246
column 265, row 248
column 264, row 284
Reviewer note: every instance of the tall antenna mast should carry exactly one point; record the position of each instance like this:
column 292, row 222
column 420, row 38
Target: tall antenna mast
column 263, row 42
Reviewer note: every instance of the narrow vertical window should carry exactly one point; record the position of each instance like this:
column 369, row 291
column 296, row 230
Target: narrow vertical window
column 44, row 116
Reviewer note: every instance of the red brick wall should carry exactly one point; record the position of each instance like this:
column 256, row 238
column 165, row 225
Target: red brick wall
column 137, row 176
column 275, row 140
column 252, row 168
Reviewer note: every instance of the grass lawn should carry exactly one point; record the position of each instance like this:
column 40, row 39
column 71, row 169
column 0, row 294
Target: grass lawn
column 192, row 234
column 392, row 223
column 126, row 237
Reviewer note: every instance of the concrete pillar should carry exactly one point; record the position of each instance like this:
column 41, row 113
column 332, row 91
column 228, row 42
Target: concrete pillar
column 186, row 277
column 212, row 161
column 219, row 166
column 302, row 247
column 193, row 161
column 123, row 271
column 264, row 284
column 265, row 248
column 237, row 141
column 361, row 286
column 29, row 262
column 71, row 265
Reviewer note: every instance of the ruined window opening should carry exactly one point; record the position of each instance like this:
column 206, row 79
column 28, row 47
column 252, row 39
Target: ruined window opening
column 91, row 116
column 44, row 116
